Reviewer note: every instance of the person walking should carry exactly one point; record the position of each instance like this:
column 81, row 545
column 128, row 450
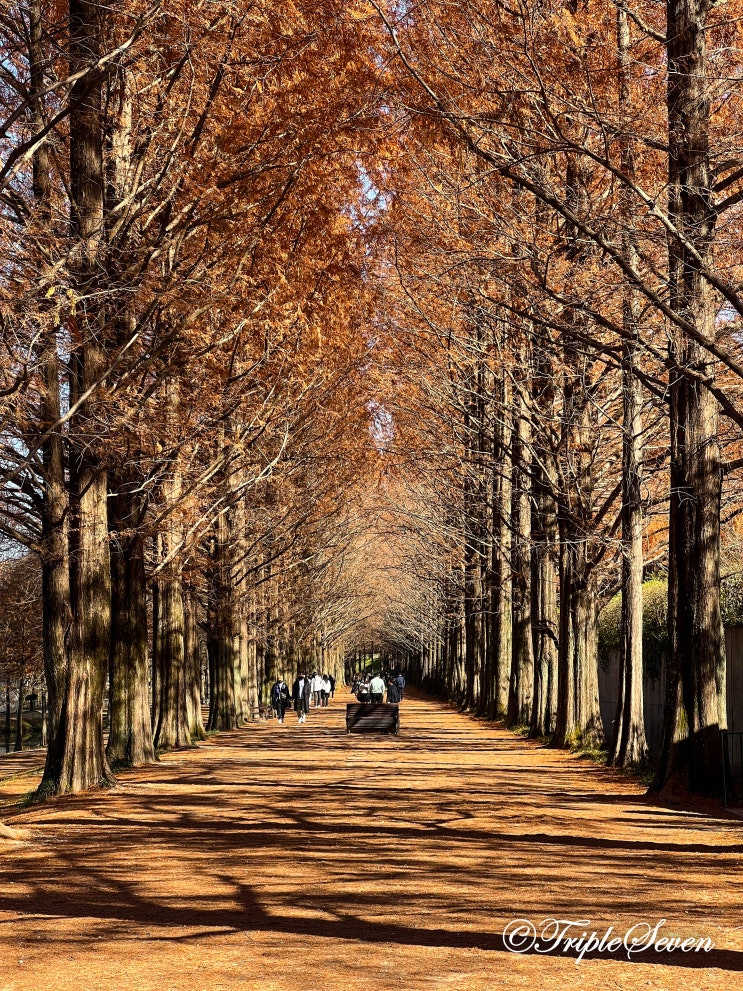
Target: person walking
column 393, row 692
column 377, row 688
column 280, row 698
column 400, row 682
column 331, row 679
column 301, row 697
column 325, row 690
column 316, row 688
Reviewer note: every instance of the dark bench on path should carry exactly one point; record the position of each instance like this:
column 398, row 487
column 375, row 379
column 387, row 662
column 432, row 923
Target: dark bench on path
column 372, row 717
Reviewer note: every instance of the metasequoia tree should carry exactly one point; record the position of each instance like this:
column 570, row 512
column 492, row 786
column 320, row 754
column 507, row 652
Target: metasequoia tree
column 628, row 744
column 661, row 253
column 695, row 623
column 159, row 156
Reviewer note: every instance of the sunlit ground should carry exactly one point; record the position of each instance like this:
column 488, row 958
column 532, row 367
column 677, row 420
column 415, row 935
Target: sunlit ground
column 297, row 857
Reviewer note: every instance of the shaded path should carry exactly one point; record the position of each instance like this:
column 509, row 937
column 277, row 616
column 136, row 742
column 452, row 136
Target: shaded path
column 288, row 857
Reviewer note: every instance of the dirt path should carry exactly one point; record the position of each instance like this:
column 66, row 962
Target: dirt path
column 294, row 857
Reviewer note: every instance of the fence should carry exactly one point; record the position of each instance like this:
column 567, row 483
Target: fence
column 732, row 766
column 654, row 692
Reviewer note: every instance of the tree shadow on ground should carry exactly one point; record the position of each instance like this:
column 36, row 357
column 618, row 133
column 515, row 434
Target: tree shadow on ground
column 264, row 833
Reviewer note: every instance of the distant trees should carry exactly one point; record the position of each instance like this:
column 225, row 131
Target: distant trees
column 21, row 654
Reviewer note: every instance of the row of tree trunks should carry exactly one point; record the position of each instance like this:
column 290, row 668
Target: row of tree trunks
column 537, row 517
column 534, row 676
column 562, row 490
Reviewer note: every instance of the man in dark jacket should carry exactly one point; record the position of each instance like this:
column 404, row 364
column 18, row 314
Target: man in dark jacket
column 400, row 682
column 280, row 698
column 301, row 696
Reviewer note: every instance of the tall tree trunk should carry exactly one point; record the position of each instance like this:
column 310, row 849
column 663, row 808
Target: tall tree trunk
column 545, row 583
column 82, row 762
column 501, row 606
column 261, row 634
column 224, row 659
column 242, row 646
column 697, row 644
column 55, row 565
column 490, row 412
column 474, row 508
column 156, row 640
column 193, row 667
column 173, row 725
column 629, row 745
column 238, row 549
column 172, row 728
column 459, row 682
column 130, row 735
column 578, row 717
column 7, row 717
column 252, row 660
column 130, row 728
column 19, row 716
column 520, row 697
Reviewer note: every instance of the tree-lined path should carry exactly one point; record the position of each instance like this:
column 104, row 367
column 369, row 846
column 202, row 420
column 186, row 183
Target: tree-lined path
column 287, row 857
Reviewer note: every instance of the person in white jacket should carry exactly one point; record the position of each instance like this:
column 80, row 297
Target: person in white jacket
column 325, row 690
column 377, row 688
column 316, row 688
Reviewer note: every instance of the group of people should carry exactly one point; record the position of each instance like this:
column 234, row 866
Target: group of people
column 372, row 689
column 306, row 693
column 315, row 691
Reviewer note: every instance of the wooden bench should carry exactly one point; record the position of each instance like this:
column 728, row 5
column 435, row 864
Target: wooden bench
column 372, row 717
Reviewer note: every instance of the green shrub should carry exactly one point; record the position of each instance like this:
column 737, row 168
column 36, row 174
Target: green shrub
column 610, row 629
column 655, row 619
column 731, row 600
column 654, row 629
